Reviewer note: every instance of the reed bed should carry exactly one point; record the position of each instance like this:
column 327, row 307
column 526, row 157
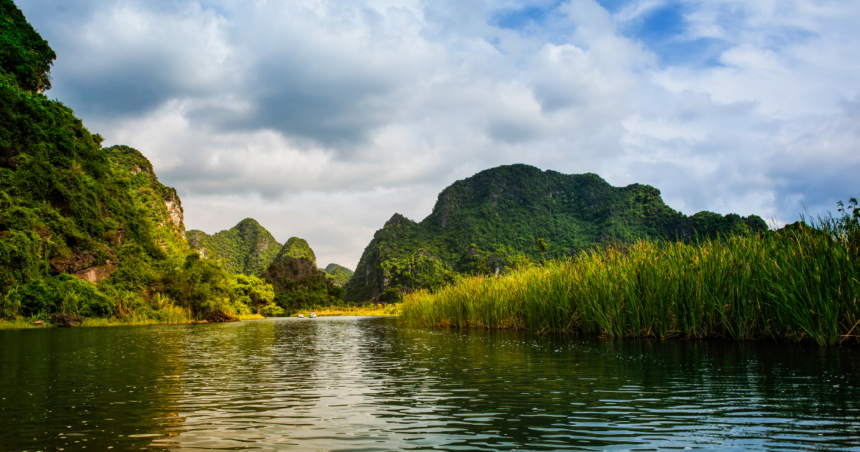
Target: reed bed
column 783, row 286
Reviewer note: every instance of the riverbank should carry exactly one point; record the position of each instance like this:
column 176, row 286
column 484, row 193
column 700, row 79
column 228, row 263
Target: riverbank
column 20, row 324
column 390, row 310
column 802, row 284
column 87, row 322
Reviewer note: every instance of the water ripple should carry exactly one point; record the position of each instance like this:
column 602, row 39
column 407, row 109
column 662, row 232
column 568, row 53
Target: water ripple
column 372, row 385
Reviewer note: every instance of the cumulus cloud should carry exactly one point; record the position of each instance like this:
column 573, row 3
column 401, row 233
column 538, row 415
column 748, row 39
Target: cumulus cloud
column 321, row 118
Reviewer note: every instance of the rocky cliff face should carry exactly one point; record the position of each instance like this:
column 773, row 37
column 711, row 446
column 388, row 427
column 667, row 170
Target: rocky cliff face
column 297, row 280
column 167, row 215
column 481, row 224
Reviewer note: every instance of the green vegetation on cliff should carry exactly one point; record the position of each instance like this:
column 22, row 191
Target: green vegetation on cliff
column 491, row 221
column 25, row 58
column 88, row 230
column 339, row 274
column 246, row 248
column 296, row 248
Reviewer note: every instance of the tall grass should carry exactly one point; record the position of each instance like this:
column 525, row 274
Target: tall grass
column 802, row 284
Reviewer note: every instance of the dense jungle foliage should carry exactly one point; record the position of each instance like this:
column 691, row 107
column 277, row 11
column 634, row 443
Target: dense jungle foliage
column 489, row 222
column 90, row 230
column 246, row 248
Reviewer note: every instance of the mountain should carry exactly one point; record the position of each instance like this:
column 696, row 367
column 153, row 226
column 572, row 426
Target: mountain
column 87, row 230
column 296, row 248
column 298, row 283
column 485, row 223
column 338, row 273
column 67, row 205
column 246, row 248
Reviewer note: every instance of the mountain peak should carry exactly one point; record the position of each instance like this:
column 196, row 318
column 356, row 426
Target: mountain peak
column 246, row 248
column 296, row 248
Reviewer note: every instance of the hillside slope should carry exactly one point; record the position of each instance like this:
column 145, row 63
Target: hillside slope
column 86, row 230
column 484, row 223
column 66, row 204
column 246, row 248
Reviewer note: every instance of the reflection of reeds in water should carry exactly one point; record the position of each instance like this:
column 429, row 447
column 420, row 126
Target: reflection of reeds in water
column 788, row 285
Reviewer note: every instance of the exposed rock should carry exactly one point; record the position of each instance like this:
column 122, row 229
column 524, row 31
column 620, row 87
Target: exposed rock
column 95, row 274
column 82, row 264
column 174, row 211
column 39, row 322
column 289, row 270
column 65, row 320
column 218, row 316
column 78, row 261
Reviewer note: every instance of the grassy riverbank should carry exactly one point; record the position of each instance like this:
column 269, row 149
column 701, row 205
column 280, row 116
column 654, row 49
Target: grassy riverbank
column 801, row 283
column 88, row 322
column 373, row 310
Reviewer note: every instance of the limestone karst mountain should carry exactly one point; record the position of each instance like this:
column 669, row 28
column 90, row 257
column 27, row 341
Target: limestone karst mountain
column 485, row 223
column 338, row 273
column 246, row 248
column 297, row 280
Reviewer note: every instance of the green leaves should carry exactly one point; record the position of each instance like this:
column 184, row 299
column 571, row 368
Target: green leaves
column 25, row 58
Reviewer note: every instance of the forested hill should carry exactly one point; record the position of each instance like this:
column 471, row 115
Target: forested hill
column 246, row 248
column 484, row 223
column 338, row 273
column 87, row 230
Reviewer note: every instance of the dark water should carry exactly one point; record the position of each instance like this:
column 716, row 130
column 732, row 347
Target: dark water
column 368, row 384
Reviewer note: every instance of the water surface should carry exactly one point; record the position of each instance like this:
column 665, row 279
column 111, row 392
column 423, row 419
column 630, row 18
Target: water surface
column 369, row 384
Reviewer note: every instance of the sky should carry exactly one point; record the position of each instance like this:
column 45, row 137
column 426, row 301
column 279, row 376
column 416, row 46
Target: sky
column 322, row 118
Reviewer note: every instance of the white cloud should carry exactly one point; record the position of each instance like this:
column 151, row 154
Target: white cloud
column 321, row 118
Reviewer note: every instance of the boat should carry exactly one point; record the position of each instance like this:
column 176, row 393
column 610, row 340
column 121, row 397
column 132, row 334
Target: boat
column 301, row 316
column 313, row 315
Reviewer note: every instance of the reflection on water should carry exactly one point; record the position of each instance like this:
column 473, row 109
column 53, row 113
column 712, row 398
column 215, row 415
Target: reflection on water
column 369, row 384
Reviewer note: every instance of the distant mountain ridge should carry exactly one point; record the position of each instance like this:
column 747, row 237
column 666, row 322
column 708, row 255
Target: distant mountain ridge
column 482, row 223
column 339, row 273
column 246, row 248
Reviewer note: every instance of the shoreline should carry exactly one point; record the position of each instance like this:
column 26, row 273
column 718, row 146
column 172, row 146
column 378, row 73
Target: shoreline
column 94, row 322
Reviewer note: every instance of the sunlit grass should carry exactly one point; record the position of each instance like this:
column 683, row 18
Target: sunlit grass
column 249, row 317
column 802, row 285
column 167, row 315
column 373, row 310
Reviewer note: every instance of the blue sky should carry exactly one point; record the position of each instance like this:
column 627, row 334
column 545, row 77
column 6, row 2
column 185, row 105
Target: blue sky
column 322, row 118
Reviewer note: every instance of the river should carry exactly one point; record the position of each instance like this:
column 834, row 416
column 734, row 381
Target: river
column 369, row 384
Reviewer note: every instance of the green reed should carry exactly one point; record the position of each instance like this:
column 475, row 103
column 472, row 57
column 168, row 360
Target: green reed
column 802, row 284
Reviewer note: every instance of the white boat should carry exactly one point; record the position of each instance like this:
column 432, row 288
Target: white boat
column 313, row 315
column 301, row 316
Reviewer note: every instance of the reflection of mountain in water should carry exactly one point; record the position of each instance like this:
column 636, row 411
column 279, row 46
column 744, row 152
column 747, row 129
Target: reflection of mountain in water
column 370, row 384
